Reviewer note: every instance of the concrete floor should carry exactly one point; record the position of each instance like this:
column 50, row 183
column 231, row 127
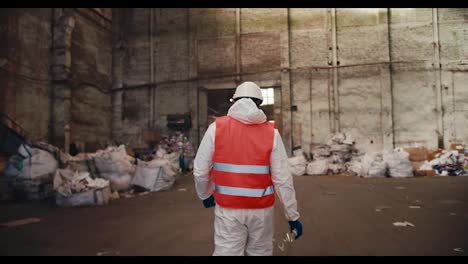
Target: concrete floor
column 338, row 214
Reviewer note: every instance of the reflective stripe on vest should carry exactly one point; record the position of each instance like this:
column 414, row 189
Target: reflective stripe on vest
column 248, row 192
column 254, row 169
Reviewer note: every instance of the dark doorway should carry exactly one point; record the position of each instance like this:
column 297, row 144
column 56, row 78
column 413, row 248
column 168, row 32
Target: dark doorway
column 219, row 102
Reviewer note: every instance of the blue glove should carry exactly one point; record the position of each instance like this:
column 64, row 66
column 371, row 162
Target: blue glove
column 209, row 202
column 296, row 225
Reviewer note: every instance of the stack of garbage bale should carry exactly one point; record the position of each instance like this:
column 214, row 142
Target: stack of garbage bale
column 394, row 163
column 333, row 157
column 339, row 156
column 41, row 171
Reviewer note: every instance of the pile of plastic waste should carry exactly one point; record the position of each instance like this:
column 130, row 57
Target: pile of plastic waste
column 79, row 189
column 339, row 156
column 115, row 165
column 448, row 163
column 155, row 175
column 177, row 148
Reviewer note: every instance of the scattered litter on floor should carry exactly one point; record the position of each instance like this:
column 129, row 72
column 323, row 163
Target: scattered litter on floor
column 285, row 244
column 458, row 250
column 400, row 187
column 281, row 247
column 143, row 193
column 25, row 221
column 414, row 206
column 126, row 195
column 453, row 214
column 450, row 202
column 114, row 195
column 107, row 253
column 381, row 208
column 403, row 224
column 182, row 190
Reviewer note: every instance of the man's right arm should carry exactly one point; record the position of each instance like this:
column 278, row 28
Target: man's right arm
column 282, row 178
column 203, row 163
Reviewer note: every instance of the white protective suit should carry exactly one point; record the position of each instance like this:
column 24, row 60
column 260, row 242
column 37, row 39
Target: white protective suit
column 249, row 231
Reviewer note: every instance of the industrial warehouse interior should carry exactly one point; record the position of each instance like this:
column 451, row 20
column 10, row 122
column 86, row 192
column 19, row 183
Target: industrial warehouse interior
column 234, row 131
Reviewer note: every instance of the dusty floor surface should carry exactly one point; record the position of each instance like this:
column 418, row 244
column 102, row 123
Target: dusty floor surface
column 341, row 216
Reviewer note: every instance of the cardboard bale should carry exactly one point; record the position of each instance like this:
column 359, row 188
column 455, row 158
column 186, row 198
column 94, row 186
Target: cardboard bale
column 151, row 136
column 425, row 173
column 431, row 154
column 130, row 151
column 416, row 165
column 419, row 173
column 417, row 154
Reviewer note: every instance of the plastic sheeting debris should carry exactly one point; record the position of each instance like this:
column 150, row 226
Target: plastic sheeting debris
column 403, row 224
column 286, row 242
column 381, row 208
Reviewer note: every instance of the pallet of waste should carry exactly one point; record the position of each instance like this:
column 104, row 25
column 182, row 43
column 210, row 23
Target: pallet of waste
column 75, row 188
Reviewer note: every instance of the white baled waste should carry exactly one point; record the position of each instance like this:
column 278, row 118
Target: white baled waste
column 317, row 167
column 297, row 165
column 116, row 166
column 38, row 164
column 155, row 175
column 373, row 165
column 399, row 165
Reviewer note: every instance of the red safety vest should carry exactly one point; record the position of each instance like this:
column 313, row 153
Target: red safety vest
column 241, row 164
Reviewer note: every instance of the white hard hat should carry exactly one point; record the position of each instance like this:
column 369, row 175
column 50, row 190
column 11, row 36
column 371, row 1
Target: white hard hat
column 248, row 89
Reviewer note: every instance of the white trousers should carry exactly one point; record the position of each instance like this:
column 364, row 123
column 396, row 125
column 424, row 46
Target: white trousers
column 241, row 232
